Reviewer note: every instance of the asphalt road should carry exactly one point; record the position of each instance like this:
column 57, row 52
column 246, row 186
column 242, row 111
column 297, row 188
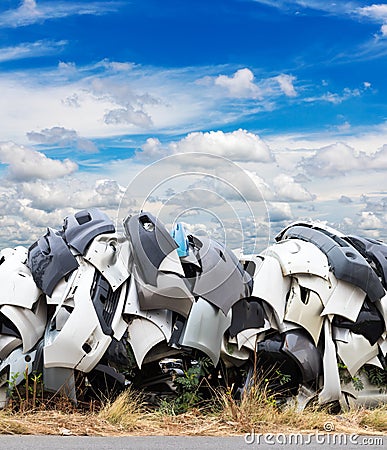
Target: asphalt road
column 262, row 442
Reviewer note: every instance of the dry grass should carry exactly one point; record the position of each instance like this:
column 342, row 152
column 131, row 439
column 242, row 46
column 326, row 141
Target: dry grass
column 128, row 416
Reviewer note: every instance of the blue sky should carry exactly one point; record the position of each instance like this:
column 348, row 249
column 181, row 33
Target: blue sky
column 291, row 91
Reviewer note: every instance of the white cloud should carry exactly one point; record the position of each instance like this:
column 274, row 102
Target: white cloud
column 61, row 136
column 241, row 84
column 30, row 11
column 383, row 30
column 375, row 12
column 340, row 158
column 239, row 145
column 128, row 115
column 279, row 212
column 334, row 97
column 31, row 50
column 369, row 221
column 27, row 164
column 287, row 189
column 286, row 84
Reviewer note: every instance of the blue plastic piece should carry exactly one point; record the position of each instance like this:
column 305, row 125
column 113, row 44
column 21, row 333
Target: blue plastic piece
column 179, row 235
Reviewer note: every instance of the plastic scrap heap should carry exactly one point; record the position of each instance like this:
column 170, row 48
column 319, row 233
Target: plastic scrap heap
column 94, row 310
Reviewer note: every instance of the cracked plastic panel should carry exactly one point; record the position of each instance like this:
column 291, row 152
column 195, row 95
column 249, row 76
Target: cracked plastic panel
column 81, row 228
column 346, row 262
column 50, row 259
column 162, row 318
column 143, row 336
column 270, row 285
column 204, row 329
column 81, row 343
column 246, row 313
column 151, row 243
column 356, row 352
column 306, row 355
column 30, row 323
column 297, row 256
column 346, row 301
column 304, row 308
column 222, row 280
column 17, row 285
column 110, row 253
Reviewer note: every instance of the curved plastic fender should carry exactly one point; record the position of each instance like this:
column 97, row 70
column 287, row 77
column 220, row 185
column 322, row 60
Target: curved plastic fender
column 171, row 263
column 110, row 253
column 143, row 336
column 17, row 285
column 222, row 280
column 81, row 228
column 270, row 285
column 312, row 224
column 356, row 352
column 320, row 286
column 8, row 344
column 151, row 243
column 232, row 355
column 346, row 262
column 30, row 324
column 297, row 256
column 81, row 343
column 50, row 259
column 61, row 290
column 248, row 338
column 305, row 310
column 346, row 300
column 306, row 355
column 204, row 329
column 332, row 386
column 162, row 318
column 170, row 293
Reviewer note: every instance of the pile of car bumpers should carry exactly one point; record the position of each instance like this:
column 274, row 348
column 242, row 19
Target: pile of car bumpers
column 85, row 302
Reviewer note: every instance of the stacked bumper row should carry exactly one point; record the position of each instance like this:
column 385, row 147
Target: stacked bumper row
column 85, row 300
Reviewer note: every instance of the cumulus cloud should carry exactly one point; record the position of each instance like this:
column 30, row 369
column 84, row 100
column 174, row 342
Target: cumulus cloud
column 128, row 115
column 239, row 145
column 369, row 221
column 26, row 164
column 374, row 12
column 340, row 158
column 289, row 190
column 279, row 212
column 241, row 84
column 61, row 136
